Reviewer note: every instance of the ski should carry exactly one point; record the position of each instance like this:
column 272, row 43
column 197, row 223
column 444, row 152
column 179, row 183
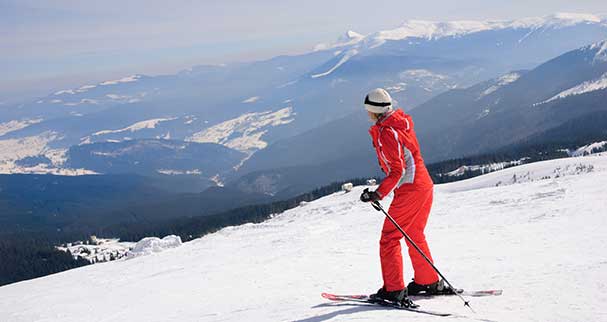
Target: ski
column 367, row 300
column 479, row 293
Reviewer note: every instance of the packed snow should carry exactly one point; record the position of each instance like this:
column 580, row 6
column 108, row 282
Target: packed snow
column 245, row 132
column 540, row 241
column 585, row 87
column 150, row 245
column 147, row 124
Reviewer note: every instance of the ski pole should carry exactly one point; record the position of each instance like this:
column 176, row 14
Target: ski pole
column 378, row 206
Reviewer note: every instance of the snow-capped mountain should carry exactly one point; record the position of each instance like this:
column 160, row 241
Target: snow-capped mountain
column 515, row 106
column 518, row 229
column 250, row 106
column 496, row 114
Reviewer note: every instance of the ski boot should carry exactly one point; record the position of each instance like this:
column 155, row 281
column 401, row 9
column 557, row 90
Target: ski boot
column 438, row 288
column 394, row 297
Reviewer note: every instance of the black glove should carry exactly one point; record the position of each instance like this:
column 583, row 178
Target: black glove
column 369, row 196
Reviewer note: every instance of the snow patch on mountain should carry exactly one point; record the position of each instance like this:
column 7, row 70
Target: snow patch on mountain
column 171, row 172
column 86, row 88
column 245, row 132
column 217, row 180
column 423, row 76
column 16, row 149
column 344, row 58
column 349, row 38
column 13, row 150
column 502, row 81
column 396, row 88
column 81, row 89
column 82, row 101
column 128, row 79
column 588, row 149
column 531, row 172
column 147, row 124
column 601, row 51
column 426, row 79
column 483, row 168
column 15, row 125
column 585, row 87
column 431, row 30
column 252, row 99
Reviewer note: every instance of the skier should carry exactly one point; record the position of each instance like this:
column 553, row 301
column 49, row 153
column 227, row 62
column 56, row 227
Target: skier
column 400, row 158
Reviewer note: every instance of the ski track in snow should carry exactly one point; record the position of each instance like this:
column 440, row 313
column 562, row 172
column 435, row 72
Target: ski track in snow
column 541, row 241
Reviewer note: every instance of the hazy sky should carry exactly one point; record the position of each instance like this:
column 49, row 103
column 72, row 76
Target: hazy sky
column 46, row 44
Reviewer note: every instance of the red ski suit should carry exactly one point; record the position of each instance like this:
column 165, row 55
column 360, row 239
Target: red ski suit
column 400, row 158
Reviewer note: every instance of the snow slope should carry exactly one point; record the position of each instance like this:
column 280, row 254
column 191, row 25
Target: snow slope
column 541, row 241
column 585, row 87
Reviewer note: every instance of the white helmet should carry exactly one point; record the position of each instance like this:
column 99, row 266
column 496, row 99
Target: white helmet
column 378, row 101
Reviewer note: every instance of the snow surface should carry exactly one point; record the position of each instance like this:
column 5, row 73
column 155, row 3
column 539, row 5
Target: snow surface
column 434, row 30
column 13, row 150
column 349, row 38
column 252, row 99
column 104, row 250
column 484, row 168
column 349, row 54
column 585, row 87
column 147, row 124
column 244, row 133
column 171, row 172
column 588, row 149
column 150, row 245
column 601, row 51
column 541, row 241
column 502, row 81
column 15, row 125
column 128, row 79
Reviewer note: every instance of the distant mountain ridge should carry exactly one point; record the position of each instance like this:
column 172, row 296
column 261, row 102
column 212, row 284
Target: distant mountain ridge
column 515, row 108
column 251, row 106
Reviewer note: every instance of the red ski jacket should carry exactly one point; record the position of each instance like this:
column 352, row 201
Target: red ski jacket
column 398, row 154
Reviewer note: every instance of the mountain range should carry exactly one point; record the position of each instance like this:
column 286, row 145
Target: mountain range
column 245, row 124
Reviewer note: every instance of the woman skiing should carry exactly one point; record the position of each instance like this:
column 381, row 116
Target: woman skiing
column 400, row 159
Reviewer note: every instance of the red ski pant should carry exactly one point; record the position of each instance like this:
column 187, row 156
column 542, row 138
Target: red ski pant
column 410, row 209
